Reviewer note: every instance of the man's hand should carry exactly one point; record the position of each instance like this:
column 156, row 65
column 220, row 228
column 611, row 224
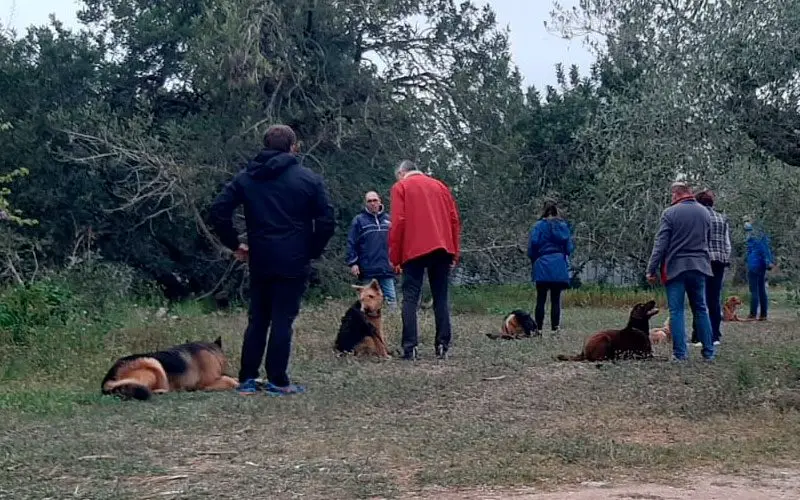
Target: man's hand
column 398, row 270
column 242, row 254
column 355, row 270
column 651, row 279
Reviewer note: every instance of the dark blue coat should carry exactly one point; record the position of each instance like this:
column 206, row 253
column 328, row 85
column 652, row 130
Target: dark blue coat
column 368, row 244
column 549, row 247
column 287, row 211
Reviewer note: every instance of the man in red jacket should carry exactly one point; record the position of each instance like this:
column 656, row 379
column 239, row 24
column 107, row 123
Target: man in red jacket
column 425, row 234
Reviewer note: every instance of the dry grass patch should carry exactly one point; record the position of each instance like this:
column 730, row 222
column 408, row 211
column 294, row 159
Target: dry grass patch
column 383, row 429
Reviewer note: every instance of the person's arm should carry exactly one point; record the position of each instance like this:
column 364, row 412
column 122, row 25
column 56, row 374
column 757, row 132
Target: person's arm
column 660, row 245
column 323, row 219
column 397, row 228
column 769, row 259
column 221, row 214
column 455, row 226
column 533, row 243
column 352, row 237
column 728, row 248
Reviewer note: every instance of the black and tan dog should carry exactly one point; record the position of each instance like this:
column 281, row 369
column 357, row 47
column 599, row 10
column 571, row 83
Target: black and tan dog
column 633, row 341
column 187, row 367
column 516, row 325
column 361, row 328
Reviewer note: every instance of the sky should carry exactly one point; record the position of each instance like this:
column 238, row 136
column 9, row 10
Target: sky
column 535, row 51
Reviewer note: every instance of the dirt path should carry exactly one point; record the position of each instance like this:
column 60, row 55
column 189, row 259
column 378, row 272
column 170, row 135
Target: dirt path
column 767, row 485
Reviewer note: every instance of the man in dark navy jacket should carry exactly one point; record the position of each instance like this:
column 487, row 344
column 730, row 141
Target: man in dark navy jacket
column 289, row 221
column 368, row 247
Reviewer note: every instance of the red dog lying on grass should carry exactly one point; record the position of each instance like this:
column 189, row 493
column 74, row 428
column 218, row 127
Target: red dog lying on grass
column 633, row 341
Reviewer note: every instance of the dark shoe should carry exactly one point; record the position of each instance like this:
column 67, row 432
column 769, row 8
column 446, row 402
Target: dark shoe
column 285, row 390
column 762, row 318
column 410, row 354
column 441, row 351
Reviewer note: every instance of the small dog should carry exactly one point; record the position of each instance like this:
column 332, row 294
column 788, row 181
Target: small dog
column 729, row 309
column 632, row 341
column 659, row 335
column 361, row 328
column 516, row 325
column 186, row 367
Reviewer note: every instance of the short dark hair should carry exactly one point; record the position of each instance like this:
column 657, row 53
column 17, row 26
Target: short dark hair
column 550, row 209
column 280, row 138
column 705, row 198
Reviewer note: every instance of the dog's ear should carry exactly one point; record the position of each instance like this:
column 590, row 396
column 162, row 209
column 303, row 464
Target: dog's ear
column 358, row 287
column 219, row 341
column 374, row 284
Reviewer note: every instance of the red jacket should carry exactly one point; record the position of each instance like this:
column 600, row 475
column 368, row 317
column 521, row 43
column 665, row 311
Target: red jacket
column 424, row 218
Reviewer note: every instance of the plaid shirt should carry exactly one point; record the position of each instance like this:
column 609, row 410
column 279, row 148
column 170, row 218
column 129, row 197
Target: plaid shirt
column 719, row 246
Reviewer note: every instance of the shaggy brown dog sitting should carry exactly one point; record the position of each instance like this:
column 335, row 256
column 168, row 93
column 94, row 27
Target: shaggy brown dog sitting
column 516, row 325
column 633, row 341
column 729, row 309
column 361, row 329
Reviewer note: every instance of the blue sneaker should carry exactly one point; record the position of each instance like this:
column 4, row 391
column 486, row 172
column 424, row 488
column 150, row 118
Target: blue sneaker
column 286, row 390
column 247, row 387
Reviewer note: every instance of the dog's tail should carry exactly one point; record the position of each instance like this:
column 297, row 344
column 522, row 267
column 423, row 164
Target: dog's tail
column 578, row 357
column 127, row 389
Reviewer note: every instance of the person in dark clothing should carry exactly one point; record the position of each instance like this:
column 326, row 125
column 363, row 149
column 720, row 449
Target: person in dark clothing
column 549, row 247
column 290, row 221
column 368, row 247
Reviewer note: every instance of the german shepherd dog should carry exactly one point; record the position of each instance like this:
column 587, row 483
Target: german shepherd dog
column 187, row 367
column 361, row 328
column 633, row 341
column 516, row 325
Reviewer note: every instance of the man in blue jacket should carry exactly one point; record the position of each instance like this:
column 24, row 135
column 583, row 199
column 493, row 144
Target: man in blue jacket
column 289, row 221
column 368, row 247
column 759, row 261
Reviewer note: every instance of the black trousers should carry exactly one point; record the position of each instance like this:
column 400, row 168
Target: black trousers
column 275, row 303
column 438, row 265
column 542, row 288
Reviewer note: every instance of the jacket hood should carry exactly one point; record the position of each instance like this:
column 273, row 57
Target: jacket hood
column 270, row 164
column 366, row 211
column 558, row 228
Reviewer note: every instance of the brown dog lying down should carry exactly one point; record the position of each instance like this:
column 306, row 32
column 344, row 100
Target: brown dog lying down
column 516, row 325
column 187, row 367
column 361, row 329
column 633, row 341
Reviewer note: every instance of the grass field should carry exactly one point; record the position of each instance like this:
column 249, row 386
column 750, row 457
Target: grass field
column 389, row 428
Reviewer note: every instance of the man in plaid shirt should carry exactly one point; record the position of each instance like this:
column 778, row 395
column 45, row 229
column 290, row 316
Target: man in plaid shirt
column 719, row 247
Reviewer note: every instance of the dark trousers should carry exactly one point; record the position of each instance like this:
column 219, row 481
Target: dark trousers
column 542, row 288
column 758, row 292
column 438, row 265
column 274, row 302
column 713, row 302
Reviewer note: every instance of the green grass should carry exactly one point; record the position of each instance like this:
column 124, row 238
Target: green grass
column 370, row 428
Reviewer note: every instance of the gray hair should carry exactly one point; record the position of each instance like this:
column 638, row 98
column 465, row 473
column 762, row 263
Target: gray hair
column 406, row 166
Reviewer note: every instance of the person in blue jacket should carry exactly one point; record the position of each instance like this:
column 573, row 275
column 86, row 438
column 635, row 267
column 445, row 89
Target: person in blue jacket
column 759, row 261
column 368, row 247
column 549, row 247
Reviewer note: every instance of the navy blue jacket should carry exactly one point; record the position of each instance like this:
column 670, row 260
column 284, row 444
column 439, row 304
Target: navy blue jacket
column 287, row 211
column 368, row 244
column 549, row 247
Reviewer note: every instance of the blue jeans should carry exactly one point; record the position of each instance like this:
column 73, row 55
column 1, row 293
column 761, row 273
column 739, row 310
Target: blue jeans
column 713, row 302
column 758, row 292
column 693, row 284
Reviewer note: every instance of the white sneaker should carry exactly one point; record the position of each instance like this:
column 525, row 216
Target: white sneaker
column 716, row 342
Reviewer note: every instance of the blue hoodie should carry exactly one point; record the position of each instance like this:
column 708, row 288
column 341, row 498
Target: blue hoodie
column 759, row 255
column 549, row 247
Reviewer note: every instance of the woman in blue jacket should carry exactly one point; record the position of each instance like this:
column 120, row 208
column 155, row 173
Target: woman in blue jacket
column 549, row 247
column 759, row 261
